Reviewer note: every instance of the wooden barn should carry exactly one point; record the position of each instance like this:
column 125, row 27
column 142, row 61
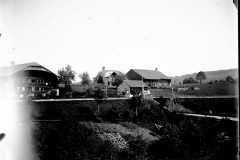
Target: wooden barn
column 153, row 78
column 129, row 86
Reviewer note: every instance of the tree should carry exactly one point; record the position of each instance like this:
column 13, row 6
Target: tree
column 100, row 79
column 200, row 76
column 119, row 78
column 67, row 75
column 190, row 80
column 99, row 96
column 185, row 81
column 85, row 78
column 229, row 79
column 137, row 102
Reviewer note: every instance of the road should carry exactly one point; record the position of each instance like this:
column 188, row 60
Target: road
column 209, row 116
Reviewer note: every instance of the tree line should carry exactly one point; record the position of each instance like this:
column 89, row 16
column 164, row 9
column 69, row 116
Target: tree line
column 200, row 77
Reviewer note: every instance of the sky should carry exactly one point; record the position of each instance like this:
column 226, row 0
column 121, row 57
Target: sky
column 177, row 37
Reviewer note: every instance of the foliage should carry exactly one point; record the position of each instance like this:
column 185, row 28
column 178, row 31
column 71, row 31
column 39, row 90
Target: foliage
column 230, row 79
column 119, row 78
column 100, row 79
column 188, row 80
column 67, row 74
column 99, row 96
column 85, row 78
column 185, row 81
column 136, row 102
column 200, row 76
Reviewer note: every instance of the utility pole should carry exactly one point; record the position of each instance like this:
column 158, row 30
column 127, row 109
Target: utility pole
column 142, row 88
column 106, row 90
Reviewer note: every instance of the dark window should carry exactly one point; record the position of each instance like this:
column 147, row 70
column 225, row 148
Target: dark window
column 33, row 80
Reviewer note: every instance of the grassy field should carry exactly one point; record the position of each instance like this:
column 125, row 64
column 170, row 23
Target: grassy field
column 183, row 137
column 215, row 89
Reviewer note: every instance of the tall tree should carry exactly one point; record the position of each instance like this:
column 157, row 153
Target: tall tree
column 85, row 78
column 67, row 74
column 99, row 96
column 191, row 80
column 185, row 81
column 119, row 78
column 100, row 79
column 200, row 76
column 229, row 79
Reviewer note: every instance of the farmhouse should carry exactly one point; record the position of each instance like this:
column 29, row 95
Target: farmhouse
column 153, row 78
column 107, row 77
column 28, row 79
column 131, row 85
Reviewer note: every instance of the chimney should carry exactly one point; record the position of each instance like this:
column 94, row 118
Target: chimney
column 12, row 63
column 156, row 69
column 103, row 68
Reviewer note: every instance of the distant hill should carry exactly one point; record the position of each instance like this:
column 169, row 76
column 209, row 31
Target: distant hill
column 210, row 75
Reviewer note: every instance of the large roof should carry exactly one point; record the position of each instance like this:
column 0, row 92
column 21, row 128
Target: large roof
column 150, row 74
column 134, row 83
column 6, row 71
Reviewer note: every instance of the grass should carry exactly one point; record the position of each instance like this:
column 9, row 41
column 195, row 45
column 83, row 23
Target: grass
column 183, row 137
column 215, row 89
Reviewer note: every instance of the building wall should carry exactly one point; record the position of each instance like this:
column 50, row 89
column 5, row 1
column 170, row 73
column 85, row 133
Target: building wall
column 123, row 87
column 30, row 82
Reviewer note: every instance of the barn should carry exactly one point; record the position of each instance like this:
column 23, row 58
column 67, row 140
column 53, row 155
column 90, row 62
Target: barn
column 28, row 79
column 153, row 78
column 131, row 86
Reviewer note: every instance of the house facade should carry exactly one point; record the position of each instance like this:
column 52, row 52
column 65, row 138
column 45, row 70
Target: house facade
column 29, row 79
column 153, row 78
column 107, row 77
column 131, row 86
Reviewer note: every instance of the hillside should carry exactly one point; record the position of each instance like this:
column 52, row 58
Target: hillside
column 210, row 75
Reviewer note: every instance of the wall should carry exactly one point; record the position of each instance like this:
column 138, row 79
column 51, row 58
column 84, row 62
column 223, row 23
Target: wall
column 123, row 87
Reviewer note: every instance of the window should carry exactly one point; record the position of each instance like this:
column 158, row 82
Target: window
column 33, row 89
column 33, row 80
column 23, row 89
column 29, row 80
column 29, row 89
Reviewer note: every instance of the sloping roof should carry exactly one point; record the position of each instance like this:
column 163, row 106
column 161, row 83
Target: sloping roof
column 150, row 74
column 134, row 83
column 107, row 73
column 6, row 71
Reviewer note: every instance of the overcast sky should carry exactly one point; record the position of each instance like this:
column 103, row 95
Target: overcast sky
column 177, row 37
